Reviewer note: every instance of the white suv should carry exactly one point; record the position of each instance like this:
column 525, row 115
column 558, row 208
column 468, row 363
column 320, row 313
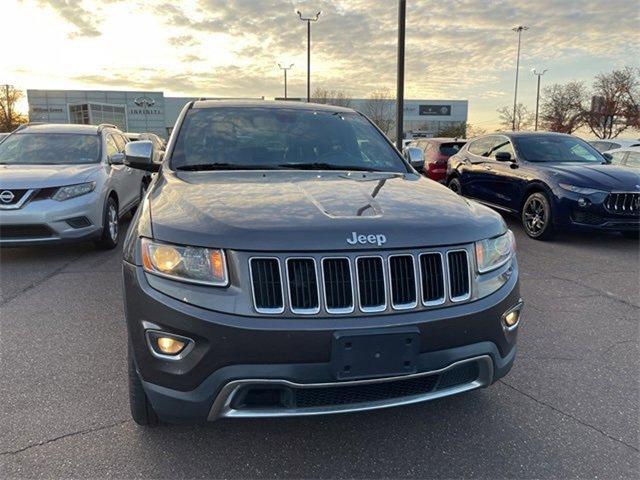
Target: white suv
column 65, row 183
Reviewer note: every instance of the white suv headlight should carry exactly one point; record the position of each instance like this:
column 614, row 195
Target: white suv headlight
column 205, row 266
column 495, row 252
column 72, row 191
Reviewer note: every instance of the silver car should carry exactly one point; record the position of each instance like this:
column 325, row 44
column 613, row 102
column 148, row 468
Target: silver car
column 65, row 183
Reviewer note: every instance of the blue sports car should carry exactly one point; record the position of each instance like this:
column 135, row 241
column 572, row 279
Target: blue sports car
column 551, row 180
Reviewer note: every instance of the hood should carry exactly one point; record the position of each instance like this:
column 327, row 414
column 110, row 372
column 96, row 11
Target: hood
column 307, row 211
column 44, row 176
column 602, row 177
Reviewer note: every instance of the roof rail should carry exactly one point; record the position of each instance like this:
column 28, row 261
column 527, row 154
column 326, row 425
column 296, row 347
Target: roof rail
column 102, row 126
column 28, row 124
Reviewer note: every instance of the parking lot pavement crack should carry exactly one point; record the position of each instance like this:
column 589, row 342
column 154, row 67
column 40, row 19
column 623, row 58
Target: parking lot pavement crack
column 35, row 283
column 597, row 291
column 568, row 415
column 66, row 435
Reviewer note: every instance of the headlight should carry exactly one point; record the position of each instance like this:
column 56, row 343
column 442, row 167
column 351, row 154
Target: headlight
column 204, row 266
column 495, row 252
column 580, row 190
column 72, row 191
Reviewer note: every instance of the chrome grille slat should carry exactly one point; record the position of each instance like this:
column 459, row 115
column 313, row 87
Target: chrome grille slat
column 268, row 295
column 338, row 285
column 623, row 203
column 304, row 294
column 402, row 278
column 432, row 277
column 372, row 289
column 459, row 278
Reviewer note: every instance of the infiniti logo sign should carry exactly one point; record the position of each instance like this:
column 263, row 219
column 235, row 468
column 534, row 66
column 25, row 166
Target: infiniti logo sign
column 6, row 196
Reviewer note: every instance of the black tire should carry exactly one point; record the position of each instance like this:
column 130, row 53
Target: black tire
column 141, row 410
column 455, row 185
column 110, row 237
column 633, row 235
column 537, row 217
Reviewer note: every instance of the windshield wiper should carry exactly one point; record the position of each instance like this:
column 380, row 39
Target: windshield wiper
column 201, row 167
column 326, row 166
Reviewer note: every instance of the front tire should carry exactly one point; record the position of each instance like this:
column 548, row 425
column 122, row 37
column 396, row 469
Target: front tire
column 141, row 410
column 110, row 226
column 537, row 217
column 455, row 185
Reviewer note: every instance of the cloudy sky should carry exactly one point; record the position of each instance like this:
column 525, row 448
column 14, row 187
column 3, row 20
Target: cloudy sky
column 456, row 49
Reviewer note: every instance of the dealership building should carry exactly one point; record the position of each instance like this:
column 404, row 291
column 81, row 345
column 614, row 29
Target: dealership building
column 137, row 111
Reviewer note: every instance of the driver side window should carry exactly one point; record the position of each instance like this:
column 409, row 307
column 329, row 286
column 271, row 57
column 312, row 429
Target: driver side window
column 502, row 145
column 112, row 147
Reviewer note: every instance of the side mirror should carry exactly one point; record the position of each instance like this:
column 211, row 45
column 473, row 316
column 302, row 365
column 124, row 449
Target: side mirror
column 116, row 158
column 140, row 155
column 608, row 157
column 415, row 156
column 504, row 157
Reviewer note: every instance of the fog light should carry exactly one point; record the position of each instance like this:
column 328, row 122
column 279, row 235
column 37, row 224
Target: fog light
column 511, row 318
column 170, row 346
column 167, row 345
column 584, row 202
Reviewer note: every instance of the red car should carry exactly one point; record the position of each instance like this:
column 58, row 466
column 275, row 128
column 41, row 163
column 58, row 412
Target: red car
column 436, row 153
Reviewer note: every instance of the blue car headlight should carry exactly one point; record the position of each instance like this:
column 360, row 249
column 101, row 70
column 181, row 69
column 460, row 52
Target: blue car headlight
column 580, row 190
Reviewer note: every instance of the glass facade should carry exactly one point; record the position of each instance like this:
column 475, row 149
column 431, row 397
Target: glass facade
column 97, row 113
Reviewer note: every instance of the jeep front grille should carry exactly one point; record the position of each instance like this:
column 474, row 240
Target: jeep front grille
column 340, row 285
column 267, row 285
column 624, row 203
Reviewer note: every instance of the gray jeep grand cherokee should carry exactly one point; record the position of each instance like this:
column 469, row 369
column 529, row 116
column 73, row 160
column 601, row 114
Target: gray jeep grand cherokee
column 289, row 261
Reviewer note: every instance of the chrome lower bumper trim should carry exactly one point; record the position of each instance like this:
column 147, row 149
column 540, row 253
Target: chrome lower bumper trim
column 222, row 408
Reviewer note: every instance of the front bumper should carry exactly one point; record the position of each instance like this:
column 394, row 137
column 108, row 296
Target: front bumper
column 591, row 214
column 233, row 353
column 48, row 221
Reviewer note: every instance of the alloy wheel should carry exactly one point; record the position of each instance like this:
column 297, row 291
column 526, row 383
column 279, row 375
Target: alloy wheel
column 112, row 218
column 535, row 216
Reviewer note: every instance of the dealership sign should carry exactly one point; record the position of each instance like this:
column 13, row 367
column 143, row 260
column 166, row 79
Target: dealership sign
column 435, row 110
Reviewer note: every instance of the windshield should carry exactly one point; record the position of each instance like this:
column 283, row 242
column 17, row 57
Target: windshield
column 268, row 138
column 50, row 149
column 552, row 148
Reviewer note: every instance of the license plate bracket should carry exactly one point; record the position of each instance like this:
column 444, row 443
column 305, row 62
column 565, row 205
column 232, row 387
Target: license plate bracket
column 371, row 354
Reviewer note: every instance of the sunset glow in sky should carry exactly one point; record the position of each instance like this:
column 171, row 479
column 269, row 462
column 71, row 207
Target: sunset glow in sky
column 458, row 49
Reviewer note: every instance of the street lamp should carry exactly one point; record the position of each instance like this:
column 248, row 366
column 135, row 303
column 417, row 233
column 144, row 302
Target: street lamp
column 519, row 30
column 538, row 74
column 402, row 13
column 285, row 68
column 308, row 20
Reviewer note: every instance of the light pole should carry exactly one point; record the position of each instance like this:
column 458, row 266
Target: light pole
column 308, row 20
column 519, row 30
column 285, row 68
column 402, row 12
column 537, row 74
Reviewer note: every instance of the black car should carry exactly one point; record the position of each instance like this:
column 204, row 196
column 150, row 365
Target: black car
column 551, row 180
column 289, row 261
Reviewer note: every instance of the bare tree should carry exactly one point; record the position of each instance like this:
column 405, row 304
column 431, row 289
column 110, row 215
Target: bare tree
column 474, row 131
column 457, row 130
column 10, row 118
column 561, row 109
column 331, row 97
column 618, row 94
column 379, row 107
column 524, row 118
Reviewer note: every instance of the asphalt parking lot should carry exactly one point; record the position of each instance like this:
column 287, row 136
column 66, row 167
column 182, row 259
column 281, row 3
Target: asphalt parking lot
column 569, row 408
